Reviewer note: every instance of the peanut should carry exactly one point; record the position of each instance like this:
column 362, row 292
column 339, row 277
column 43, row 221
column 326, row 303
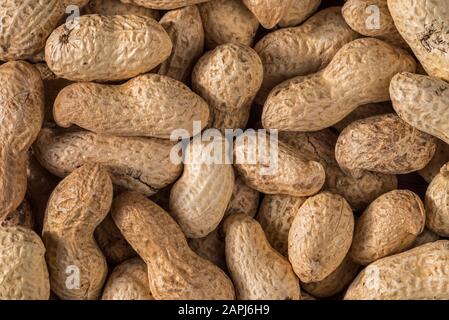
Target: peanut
column 320, row 100
column 258, row 271
column 389, row 225
column 320, row 236
column 384, row 144
column 174, row 270
column 268, row 12
column 75, row 208
column 156, row 106
column 279, row 50
column 299, row 11
column 145, row 168
column 437, row 208
column 23, row 272
column 128, row 281
column 21, row 114
column 424, row 26
column 186, row 32
column 107, row 48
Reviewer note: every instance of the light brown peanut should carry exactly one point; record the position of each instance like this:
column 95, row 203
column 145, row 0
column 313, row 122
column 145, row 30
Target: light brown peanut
column 437, row 207
column 384, row 144
column 21, row 114
column 320, row 100
column 76, row 207
column 320, row 236
column 259, row 272
column 107, row 48
column 155, row 105
column 388, row 226
column 174, row 270
column 145, row 168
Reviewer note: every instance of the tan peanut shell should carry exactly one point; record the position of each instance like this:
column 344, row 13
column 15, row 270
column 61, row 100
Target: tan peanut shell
column 320, row 146
column 273, row 167
column 320, row 100
column 229, row 91
column 243, row 200
column 185, row 30
column 116, row 7
column 268, row 12
column 362, row 112
column 174, row 270
column 111, row 242
column 211, row 247
column 275, row 216
column 416, row 274
column 334, row 283
column 155, row 106
column 422, row 102
column 299, row 11
column 439, row 159
column 228, row 21
column 21, row 114
column 437, row 205
column 134, row 163
column 128, row 281
column 198, row 200
column 259, row 272
column 320, row 236
column 164, row 4
column 23, row 274
column 424, row 26
column 26, row 24
column 384, row 144
column 23, row 216
column 76, row 207
column 389, row 225
column 291, row 52
column 107, row 48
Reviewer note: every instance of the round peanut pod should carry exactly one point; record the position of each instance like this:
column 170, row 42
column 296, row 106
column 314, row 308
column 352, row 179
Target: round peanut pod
column 155, row 106
column 128, row 281
column 299, row 11
column 76, row 207
column 416, row 274
column 275, row 216
column 424, row 26
column 229, row 91
column 186, row 32
column 211, row 247
column 21, row 114
column 272, row 167
column 24, row 274
column 198, row 200
column 362, row 112
column 164, row 4
column 320, row 236
column 320, row 146
column 115, row 7
column 320, row 100
column 384, row 144
column 146, row 167
column 291, row 52
column 228, row 21
column 23, row 216
column 268, row 12
column 243, row 200
column 26, row 24
column 422, row 102
column 107, row 48
column 111, row 242
column 174, row 270
column 439, row 159
column 388, row 226
column 336, row 282
column 258, row 271
column 436, row 201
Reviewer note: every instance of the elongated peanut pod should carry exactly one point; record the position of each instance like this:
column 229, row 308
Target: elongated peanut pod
column 76, row 207
column 21, row 117
column 148, row 105
column 146, row 166
column 174, row 270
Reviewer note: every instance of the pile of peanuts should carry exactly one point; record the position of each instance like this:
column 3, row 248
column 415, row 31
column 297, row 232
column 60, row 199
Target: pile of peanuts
column 98, row 97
